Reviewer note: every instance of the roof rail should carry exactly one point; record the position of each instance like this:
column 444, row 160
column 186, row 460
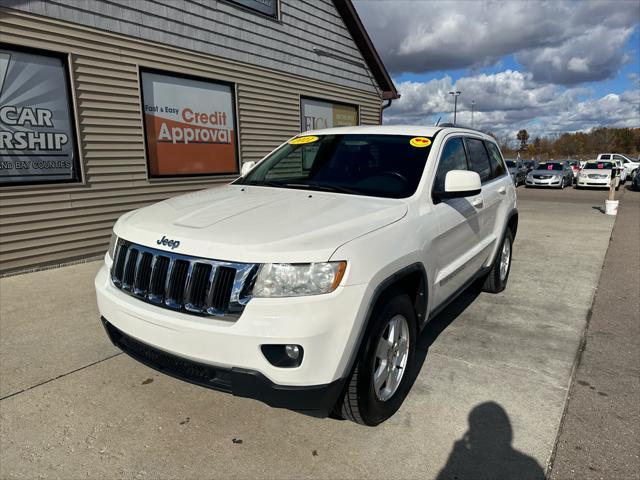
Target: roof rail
column 449, row 124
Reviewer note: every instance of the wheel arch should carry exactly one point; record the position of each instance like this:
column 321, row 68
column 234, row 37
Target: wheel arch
column 411, row 279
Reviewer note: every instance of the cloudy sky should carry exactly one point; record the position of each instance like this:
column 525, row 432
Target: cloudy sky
column 547, row 66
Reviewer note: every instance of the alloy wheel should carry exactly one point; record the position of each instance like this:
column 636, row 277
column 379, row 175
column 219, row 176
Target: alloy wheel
column 392, row 354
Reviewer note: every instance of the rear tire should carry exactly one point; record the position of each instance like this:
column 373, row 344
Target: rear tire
column 369, row 400
column 497, row 278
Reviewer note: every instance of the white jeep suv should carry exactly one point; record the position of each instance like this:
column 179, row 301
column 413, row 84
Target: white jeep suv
column 305, row 283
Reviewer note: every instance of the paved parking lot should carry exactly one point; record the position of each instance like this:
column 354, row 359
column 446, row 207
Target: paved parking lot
column 487, row 400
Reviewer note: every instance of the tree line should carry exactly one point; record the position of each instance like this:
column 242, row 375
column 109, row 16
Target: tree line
column 578, row 145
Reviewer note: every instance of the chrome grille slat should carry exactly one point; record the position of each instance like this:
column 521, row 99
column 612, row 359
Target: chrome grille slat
column 193, row 285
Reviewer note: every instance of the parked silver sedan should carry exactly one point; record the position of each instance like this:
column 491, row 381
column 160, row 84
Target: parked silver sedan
column 550, row 174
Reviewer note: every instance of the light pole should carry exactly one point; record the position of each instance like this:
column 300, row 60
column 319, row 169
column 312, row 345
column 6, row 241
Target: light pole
column 455, row 94
column 473, row 104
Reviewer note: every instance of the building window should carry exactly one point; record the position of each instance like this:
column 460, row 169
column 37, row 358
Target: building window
column 265, row 7
column 190, row 125
column 37, row 127
column 316, row 114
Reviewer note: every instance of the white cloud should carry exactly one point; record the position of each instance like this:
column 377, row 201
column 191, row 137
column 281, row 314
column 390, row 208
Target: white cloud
column 561, row 41
column 510, row 100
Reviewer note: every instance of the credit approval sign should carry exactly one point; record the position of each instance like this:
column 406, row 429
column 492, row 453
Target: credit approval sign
column 189, row 126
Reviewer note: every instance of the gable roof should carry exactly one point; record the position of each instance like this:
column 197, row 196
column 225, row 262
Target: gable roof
column 351, row 19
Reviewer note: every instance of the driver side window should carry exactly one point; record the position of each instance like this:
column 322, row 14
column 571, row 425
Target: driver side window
column 453, row 157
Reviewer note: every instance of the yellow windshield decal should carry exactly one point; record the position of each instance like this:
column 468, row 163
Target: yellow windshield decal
column 420, row 142
column 303, row 140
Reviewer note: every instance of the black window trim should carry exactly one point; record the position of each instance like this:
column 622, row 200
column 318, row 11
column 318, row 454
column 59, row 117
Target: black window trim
column 434, row 197
column 77, row 178
column 504, row 165
column 169, row 73
column 481, row 140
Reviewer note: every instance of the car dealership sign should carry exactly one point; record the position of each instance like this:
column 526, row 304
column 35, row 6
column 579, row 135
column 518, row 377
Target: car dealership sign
column 36, row 125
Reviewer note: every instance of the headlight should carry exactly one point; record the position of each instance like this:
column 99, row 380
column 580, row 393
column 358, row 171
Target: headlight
column 529, row 175
column 295, row 280
column 112, row 246
column 555, row 177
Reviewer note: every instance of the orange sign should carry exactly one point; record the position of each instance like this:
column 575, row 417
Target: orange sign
column 189, row 126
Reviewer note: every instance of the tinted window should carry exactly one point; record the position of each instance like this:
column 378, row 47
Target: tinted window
column 452, row 158
column 550, row 166
column 497, row 163
column 620, row 157
column 599, row 166
column 605, row 157
column 478, row 159
column 374, row 165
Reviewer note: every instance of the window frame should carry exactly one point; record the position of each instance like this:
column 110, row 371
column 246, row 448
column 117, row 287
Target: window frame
column 434, row 193
column 234, row 110
column 481, row 140
column 65, row 59
column 275, row 18
column 502, row 160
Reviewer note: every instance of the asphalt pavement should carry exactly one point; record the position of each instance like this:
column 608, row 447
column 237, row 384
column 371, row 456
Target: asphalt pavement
column 488, row 398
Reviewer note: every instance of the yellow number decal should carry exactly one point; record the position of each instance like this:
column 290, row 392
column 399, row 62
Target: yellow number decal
column 303, row 140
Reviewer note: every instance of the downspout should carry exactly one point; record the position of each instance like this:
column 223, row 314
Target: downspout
column 382, row 108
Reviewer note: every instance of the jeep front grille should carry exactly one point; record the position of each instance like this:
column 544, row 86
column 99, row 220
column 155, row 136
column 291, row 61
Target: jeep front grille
column 194, row 285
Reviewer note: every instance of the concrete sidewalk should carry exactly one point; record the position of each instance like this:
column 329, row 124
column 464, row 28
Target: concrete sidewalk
column 600, row 435
column 487, row 400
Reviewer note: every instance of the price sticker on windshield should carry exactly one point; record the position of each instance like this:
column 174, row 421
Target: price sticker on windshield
column 420, row 142
column 303, row 140
column 549, row 167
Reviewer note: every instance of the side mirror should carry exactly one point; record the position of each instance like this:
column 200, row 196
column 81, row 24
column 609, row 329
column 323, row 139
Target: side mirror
column 461, row 183
column 246, row 168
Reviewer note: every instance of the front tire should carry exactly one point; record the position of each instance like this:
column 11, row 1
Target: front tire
column 380, row 380
column 496, row 280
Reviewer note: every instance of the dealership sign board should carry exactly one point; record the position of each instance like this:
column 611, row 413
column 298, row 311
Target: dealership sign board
column 189, row 126
column 317, row 114
column 37, row 141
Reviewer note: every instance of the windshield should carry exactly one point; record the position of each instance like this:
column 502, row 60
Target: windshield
column 511, row 164
column 549, row 166
column 599, row 166
column 376, row 165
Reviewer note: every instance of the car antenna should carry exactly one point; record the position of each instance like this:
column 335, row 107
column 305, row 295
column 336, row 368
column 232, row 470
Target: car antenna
column 438, row 122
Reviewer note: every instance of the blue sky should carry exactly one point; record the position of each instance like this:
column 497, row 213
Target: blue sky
column 548, row 66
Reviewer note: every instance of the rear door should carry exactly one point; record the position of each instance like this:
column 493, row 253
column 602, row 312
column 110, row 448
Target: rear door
column 459, row 230
column 495, row 181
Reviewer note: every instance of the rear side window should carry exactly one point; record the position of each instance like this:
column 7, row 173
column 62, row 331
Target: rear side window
column 605, row 157
column 497, row 163
column 453, row 158
column 478, row 158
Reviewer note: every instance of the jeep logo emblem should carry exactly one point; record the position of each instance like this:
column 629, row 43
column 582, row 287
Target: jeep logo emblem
column 173, row 244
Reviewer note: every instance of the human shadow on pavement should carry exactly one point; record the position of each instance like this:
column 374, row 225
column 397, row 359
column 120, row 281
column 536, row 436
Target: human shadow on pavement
column 485, row 453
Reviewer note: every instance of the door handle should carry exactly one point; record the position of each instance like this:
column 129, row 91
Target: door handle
column 477, row 202
column 502, row 190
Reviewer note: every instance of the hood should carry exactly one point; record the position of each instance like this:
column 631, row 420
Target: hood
column 259, row 224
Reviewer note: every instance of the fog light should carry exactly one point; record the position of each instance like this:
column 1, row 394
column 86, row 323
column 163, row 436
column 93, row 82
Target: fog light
column 285, row 356
column 293, row 351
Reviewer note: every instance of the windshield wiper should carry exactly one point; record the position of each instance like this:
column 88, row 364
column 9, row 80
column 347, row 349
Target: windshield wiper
column 322, row 187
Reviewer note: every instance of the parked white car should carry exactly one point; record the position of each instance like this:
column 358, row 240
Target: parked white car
column 630, row 166
column 304, row 283
column 597, row 174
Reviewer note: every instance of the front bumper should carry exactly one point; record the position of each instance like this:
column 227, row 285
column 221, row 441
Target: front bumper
column 317, row 400
column 536, row 182
column 593, row 182
column 326, row 326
